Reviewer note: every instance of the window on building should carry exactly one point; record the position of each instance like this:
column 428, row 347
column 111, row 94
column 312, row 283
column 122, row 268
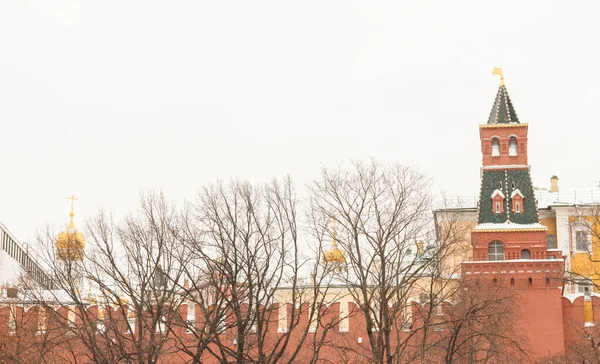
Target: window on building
column 495, row 147
column 160, row 325
column 581, row 240
column 496, row 251
column 100, row 325
column 253, row 319
column 406, row 319
column 375, row 316
column 423, row 297
column 221, row 322
column 498, row 207
column 71, row 317
column 131, row 323
column 517, row 207
column 512, row 146
column 585, row 288
column 525, row 254
column 437, row 308
column 551, row 241
column 191, row 318
column 41, row 321
column 12, row 320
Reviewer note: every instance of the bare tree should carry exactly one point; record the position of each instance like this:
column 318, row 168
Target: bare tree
column 28, row 334
column 233, row 277
column 584, row 349
column 248, row 263
column 384, row 213
column 123, row 294
column 479, row 326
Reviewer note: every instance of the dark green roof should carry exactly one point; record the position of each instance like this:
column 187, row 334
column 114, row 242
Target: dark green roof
column 507, row 181
column 503, row 111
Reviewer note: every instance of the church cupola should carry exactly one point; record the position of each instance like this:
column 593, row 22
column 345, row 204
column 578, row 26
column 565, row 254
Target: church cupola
column 335, row 257
column 70, row 244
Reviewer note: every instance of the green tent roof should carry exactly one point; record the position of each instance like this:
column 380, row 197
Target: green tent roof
column 503, row 111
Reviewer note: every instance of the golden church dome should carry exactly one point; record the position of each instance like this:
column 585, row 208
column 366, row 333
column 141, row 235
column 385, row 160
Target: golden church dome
column 334, row 255
column 70, row 243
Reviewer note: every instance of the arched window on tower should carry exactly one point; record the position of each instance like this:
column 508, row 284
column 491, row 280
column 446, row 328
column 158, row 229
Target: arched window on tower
column 517, row 201
column 512, row 146
column 495, row 251
column 525, row 254
column 497, row 202
column 495, row 147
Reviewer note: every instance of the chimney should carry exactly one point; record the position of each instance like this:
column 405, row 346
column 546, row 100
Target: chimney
column 554, row 184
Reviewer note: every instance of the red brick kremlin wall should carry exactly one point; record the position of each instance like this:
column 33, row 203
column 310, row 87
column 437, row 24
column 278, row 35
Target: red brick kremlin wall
column 538, row 296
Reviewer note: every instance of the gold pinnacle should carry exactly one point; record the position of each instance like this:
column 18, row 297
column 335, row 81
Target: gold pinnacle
column 72, row 213
column 334, row 220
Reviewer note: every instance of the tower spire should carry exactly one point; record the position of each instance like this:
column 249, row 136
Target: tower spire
column 503, row 111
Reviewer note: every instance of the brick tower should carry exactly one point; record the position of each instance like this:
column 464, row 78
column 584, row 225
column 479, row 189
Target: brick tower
column 509, row 243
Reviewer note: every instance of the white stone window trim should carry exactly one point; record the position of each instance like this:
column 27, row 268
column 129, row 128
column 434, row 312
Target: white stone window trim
column 191, row 318
column 513, row 149
column 495, row 141
column 131, row 324
column 516, row 192
column 582, row 284
column 100, row 325
column 497, row 192
column 582, row 227
column 587, row 238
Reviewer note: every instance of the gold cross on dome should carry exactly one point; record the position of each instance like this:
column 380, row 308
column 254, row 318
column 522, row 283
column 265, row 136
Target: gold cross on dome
column 73, row 199
column 72, row 213
column 334, row 220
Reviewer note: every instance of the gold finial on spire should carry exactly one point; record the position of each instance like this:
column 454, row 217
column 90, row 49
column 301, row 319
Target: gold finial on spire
column 498, row 71
column 72, row 213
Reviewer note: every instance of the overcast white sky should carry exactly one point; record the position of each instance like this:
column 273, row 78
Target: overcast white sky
column 103, row 99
